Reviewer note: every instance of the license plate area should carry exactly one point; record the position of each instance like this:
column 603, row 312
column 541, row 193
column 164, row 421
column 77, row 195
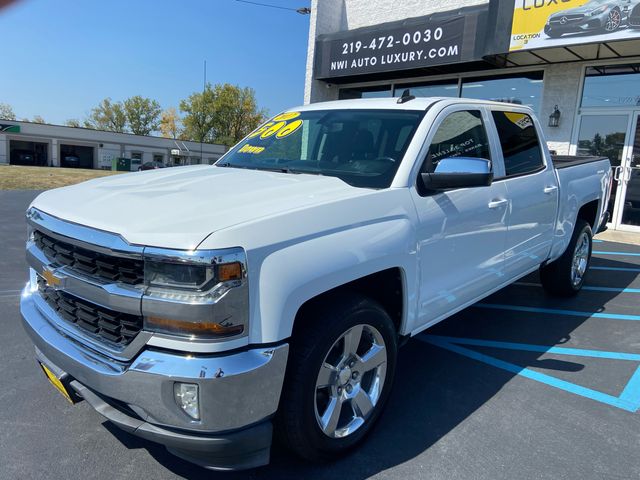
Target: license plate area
column 60, row 384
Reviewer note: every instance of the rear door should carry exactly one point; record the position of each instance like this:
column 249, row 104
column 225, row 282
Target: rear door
column 532, row 191
column 461, row 232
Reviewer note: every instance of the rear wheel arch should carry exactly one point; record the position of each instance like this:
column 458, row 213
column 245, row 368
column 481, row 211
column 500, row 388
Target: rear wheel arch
column 589, row 213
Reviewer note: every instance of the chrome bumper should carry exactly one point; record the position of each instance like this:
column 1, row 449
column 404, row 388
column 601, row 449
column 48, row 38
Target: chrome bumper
column 236, row 389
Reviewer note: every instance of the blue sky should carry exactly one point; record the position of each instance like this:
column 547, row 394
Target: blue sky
column 61, row 57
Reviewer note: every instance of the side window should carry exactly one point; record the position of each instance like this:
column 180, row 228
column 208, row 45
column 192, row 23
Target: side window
column 519, row 142
column 461, row 134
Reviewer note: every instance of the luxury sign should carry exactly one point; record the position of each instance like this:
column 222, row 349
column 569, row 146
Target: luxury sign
column 400, row 47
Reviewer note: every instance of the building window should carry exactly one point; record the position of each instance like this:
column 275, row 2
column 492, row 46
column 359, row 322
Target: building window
column 379, row 91
column 612, row 86
column 446, row 88
column 136, row 155
column 521, row 89
column 519, row 142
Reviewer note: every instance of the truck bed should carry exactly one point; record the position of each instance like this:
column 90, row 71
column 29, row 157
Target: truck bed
column 564, row 161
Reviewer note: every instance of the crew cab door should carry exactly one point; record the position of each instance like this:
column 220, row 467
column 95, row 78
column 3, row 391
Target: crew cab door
column 532, row 190
column 461, row 233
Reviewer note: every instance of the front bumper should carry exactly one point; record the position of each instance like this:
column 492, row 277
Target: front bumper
column 237, row 391
column 584, row 24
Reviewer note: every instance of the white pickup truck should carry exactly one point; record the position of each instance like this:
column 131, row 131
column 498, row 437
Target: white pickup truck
column 205, row 307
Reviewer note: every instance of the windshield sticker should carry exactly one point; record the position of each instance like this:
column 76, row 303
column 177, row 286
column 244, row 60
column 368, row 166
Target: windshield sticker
column 272, row 130
column 520, row 119
column 251, row 149
column 289, row 128
column 278, row 126
column 286, row 116
column 260, row 130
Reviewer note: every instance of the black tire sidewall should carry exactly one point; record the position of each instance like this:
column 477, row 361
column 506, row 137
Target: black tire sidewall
column 556, row 276
column 346, row 314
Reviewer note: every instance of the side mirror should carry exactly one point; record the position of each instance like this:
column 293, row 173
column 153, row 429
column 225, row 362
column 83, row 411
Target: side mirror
column 459, row 172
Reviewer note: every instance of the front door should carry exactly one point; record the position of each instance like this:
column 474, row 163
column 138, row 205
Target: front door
column 462, row 232
column 627, row 211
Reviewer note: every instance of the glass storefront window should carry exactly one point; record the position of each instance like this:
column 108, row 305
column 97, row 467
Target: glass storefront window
column 448, row 88
column 521, row 89
column 603, row 135
column 612, row 86
column 365, row 92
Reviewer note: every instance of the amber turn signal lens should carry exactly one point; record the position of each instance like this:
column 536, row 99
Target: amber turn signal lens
column 198, row 329
column 229, row 271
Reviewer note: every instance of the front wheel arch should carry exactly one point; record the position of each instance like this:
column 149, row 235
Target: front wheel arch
column 296, row 422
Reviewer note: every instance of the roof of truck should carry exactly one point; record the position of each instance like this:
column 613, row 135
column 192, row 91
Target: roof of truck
column 418, row 103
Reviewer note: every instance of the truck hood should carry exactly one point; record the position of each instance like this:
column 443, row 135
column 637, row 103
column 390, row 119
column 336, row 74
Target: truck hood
column 179, row 207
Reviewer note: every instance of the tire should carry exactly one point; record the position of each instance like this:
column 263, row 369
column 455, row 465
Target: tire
column 561, row 277
column 612, row 22
column 321, row 339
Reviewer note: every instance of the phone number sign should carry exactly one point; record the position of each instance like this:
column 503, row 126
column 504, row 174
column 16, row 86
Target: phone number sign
column 403, row 47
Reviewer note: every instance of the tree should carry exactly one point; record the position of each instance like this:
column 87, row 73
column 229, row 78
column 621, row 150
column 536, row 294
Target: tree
column 6, row 112
column 170, row 123
column 143, row 114
column 72, row 122
column 237, row 113
column 108, row 116
column 39, row 119
column 222, row 113
column 200, row 115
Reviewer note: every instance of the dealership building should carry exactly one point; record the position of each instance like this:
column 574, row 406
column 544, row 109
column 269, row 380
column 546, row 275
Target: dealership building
column 25, row 143
column 576, row 63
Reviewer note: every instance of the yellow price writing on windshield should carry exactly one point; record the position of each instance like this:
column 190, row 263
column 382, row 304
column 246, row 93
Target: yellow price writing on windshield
column 289, row 129
column 272, row 130
column 278, row 126
column 286, row 116
column 260, row 130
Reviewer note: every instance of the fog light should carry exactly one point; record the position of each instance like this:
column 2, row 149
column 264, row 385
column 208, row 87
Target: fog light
column 186, row 395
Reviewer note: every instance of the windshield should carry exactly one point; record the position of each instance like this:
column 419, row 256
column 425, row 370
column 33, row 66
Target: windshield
column 362, row 147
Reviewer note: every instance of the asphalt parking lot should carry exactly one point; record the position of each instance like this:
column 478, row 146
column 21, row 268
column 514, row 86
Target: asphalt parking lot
column 521, row 386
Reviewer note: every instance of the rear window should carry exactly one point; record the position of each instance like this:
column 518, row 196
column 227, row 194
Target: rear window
column 519, row 142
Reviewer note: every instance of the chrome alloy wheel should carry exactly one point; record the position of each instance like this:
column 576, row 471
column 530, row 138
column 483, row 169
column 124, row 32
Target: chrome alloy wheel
column 580, row 259
column 613, row 21
column 350, row 381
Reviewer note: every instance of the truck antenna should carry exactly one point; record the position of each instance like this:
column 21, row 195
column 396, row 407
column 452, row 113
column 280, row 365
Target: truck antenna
column 406, row 96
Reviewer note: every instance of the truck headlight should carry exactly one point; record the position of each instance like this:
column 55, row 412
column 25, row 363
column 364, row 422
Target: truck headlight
column 185, row 276
column 195, row 294
column 178, row 276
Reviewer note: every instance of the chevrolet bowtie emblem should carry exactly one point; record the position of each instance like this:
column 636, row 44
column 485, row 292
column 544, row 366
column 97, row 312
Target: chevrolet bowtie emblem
column 51, row 278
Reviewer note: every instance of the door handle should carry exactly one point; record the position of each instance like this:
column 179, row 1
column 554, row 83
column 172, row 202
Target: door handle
column 497, row 203
column 550, row 189
column 616, row 173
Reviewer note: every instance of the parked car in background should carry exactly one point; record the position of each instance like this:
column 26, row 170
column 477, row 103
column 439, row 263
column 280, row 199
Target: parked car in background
column 596, row 16
column 634, row 17
column 71, row 161
column 151, row 165
column 23, row 157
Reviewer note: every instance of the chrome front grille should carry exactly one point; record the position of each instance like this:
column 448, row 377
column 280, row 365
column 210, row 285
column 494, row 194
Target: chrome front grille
column 88, row 262
column 116, row 327
column 567, row 18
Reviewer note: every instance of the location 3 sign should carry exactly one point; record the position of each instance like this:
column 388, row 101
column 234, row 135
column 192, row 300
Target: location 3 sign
column 401, row 47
